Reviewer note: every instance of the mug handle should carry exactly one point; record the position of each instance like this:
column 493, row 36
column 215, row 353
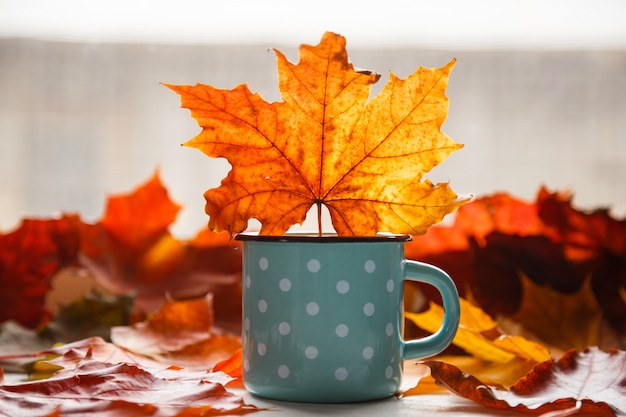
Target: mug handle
column 437, row 342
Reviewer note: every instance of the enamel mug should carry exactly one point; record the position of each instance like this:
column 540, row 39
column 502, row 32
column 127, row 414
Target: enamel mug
column 323, row 316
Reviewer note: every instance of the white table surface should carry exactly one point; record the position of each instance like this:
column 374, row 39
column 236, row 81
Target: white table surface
column 444, row 404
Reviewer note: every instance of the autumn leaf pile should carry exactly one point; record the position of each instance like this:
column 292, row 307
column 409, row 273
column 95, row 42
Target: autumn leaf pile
column 543, row 313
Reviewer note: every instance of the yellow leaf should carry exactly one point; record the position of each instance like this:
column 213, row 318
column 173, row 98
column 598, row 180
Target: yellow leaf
column 468, row 336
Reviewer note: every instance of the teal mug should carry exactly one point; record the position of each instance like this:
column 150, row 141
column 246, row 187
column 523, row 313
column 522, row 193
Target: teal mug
column 322, row 316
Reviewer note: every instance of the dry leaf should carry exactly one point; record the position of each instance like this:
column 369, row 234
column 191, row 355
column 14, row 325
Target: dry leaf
column 564, row 321
column 132, row 252
column 325, row 144
column 102, row 389
column 181, row 333
column 498, row 241
column 29, row 258
column 496, row 358
column 592, row 382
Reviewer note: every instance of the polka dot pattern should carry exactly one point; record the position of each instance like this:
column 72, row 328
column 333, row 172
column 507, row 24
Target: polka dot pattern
column 319, row 322
column 313, row 265
column 312, row 309
column 342, row 330
column 343, row 287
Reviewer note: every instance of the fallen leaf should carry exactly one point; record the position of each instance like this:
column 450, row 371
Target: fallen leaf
column 497, row 358
column 233, row 367
column 498, row 241
column 596, row 243
column 180, row 332
column 91, row 315
column 29, row 258
column 468, row 335
column 564, row 321
column 591, row 382
column 132, row 252
column 325, row 144
column 103, row 389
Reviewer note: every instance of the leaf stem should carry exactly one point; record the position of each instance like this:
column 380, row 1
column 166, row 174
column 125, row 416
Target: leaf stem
column 319, row 219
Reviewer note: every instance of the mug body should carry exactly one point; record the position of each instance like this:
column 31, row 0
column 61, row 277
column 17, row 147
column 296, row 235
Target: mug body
column 322, row 317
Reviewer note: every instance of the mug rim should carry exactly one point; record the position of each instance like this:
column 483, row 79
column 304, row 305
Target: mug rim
column 324, row 238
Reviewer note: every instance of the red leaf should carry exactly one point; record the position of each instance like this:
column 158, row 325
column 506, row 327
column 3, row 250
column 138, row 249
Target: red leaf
column 132, row 252
column 29, row 257
column 496, row 240
column 593, row 381
column 90, row 385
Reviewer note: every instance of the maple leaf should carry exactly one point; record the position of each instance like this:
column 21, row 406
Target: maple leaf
column 29, row 258
column 497, row 358
column 497, row 242
column 596, row 243
column 563, row 321
column 100, row 388
column 590, row 382
column 180, row 332
column 325, row 144
column 132, row 252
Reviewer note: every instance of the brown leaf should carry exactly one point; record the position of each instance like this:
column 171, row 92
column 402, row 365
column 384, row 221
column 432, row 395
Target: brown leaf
column 325, row 144
column 591, row 382
column 564, row 321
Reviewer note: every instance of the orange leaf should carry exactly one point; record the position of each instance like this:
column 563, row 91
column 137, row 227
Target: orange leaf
column 231, row 366
column 590, row 382
column 325, row 144
column 137, row 219
column 180, row 332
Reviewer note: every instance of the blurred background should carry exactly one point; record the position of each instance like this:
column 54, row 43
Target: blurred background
column 538, row 94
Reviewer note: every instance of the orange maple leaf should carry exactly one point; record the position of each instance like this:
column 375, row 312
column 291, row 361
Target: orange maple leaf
column 325, row 144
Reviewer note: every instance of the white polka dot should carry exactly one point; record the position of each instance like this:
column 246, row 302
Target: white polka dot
column 312, row 309
column 342, row 330
column 389, row 329
column 246, row 324
column 341, row 374
column 262, row 349
column 368, row 353
column 264, row 263
column 262, row 306
column 390, row 285
column 313, row 265
column 369, row 309
column 248, row 281
column 283, row 371
column 284, row 285
column 284, row 328
column 310, row 352
column 343, row 287
column 388, row 372
column 246, row 365
column 370, row 266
